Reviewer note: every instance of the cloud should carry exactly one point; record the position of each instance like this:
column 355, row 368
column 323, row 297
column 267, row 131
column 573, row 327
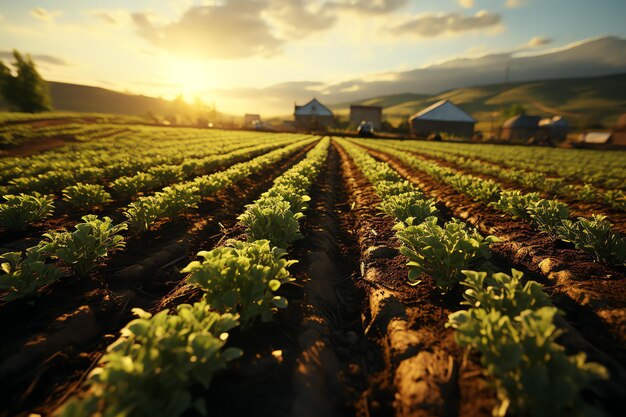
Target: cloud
column 49, row 59
column 111, row 17
column 468, row 4
column 233, row 30
column 513, row 4
column 366, row 6
column 432, row 25
column 538, row 41
column 45, row 15
column 296, row 18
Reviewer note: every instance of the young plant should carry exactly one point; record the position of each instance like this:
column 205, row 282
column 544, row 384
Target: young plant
column 131, row 186
column 271, row 218
column 512, row 327
column 388, row 188
column 515, row 203
column 85, row 196
column 142, row 213
column 442, row 253
column 152, row 368
column 20, row 211
column 412, row 204
column 616, row 199
column 595, row 236
column 241, row 278
column 89, row 243
column 547, row 215
column 23, row 275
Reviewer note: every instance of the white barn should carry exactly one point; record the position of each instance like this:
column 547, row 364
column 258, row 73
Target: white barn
column 313, row 116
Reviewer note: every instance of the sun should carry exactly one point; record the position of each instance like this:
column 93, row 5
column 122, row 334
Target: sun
column 191, row 78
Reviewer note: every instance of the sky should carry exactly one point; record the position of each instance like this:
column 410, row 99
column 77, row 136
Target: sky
column 204, row 48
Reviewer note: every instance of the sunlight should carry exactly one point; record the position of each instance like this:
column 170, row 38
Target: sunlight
column 191, row 77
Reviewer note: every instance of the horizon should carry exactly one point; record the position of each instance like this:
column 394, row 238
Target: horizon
column 253, row 56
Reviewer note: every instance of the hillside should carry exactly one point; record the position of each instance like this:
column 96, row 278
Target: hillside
column 87, row 99
column 584, row 101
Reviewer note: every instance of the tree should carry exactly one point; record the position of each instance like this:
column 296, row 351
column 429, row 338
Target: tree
column 24, row 89
column 513, row 110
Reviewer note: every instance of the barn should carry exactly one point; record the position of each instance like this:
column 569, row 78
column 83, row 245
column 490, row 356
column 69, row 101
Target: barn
column 313, row 116
column 373, row 114
column 521, row 128
column 619, row 133
column 249, row 119
column 442, row 117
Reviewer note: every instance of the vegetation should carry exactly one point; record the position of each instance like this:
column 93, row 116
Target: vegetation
column 23, row 88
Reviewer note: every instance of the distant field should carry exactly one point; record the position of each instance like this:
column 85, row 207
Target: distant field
column 237, row 272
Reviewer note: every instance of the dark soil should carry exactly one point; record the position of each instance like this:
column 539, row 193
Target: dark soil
column 64, row 332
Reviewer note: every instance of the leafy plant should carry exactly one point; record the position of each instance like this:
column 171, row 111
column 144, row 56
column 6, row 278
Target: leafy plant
column 547, row 215
column 23, row 275
column 241, row 278
column 389, row 188
column 515, row 203
column 410, row 204
column 151, row 369
column 271, row 218
column 595, row 236
column 291, row 194
column 132, row 186
column 512, row 326
column 502, row 292
column 20, row 211
column 90, row 242
column 616, row 199
column 142, row 213
column 85, row 196
column 440, row 252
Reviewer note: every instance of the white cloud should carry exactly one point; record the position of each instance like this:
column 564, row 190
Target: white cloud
column 45, row 15
column 230, row 31
column 432, row 25
column 468, row 4
column 538, row 41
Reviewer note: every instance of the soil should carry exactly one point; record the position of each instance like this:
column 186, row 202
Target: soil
column 65, row 330
column 578, row 208
column 356, row 339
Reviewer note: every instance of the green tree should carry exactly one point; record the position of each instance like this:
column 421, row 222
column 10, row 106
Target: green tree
column 512, row 111
column 23, row 88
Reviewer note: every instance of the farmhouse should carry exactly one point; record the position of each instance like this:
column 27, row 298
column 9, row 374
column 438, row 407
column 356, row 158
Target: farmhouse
column 442, row 117
column 619, row 133
column 555, row 128
column 520, row 128
column 373, row 114
column 249, row 119
column 313, row 116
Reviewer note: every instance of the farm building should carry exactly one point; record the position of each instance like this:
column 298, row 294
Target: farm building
column 619, row 133
column 249, row 119
column 520, row 128
column 555, row 128
column 313, row 116
column 373, row 114
column 442, row 117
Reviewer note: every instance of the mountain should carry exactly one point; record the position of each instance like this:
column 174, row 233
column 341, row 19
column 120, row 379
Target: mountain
column 592, row 58
column 584, row 101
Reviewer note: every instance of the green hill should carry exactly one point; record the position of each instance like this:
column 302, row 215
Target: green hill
column 593, row 101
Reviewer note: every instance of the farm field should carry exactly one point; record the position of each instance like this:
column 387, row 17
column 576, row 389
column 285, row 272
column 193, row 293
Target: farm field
column 161, row 271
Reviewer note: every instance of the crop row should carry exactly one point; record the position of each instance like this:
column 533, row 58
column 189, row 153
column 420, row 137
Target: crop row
column 153, row 367
column 21, row 211
column 549, row 216
column 555, row 186
column 605, row 169
column 509, row 323
column 25, row 273
column 105, row 166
